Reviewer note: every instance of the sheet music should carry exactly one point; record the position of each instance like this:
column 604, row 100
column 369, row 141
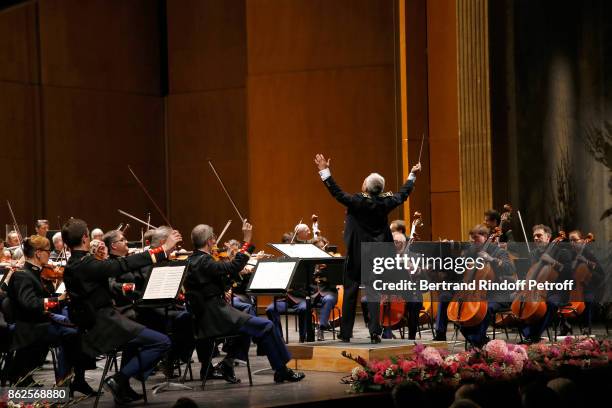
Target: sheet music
column 303, row 251
column 61, row 288
column 272, row 275
column 164, row 282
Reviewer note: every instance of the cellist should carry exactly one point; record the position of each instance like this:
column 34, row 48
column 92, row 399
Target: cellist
column 559, row 259
column 503, row 269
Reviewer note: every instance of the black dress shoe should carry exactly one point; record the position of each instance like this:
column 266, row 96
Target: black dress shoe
column 135, row 396
column 213, row 374
column 227, row 372
column 375, row 338
column 83, row 388
column 343, row 338
column 118, row 390
column 288, row 375
column 440, row 337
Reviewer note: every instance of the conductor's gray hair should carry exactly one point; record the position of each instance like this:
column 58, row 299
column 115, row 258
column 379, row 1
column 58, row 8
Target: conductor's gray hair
column 200, row 234
column 374, row 184
column 160, row 234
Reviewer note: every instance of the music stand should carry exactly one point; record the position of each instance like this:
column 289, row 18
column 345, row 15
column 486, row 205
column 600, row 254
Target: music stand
column 308, row 256
column 161, row 290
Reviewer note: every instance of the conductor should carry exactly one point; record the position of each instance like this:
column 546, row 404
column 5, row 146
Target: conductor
column 366, row 221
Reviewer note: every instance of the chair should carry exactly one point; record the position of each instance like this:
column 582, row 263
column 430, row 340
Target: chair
column 111, row 357
column 215, row 342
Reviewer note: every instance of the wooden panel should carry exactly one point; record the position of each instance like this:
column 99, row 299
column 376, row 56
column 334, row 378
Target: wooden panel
column 101, row 44
column 474, row 111
column 314, row 34
column 91, row 137
column 413, row 67
column 443, row 118
column 327, row 356
column 446, row 216
column 18, row 48
column 201, row 126
column 17, row 153
column 206, row 44
column 346, row 114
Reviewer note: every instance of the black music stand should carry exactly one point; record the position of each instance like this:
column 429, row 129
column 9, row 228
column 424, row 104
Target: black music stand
column 161, row 290
column 308, row 257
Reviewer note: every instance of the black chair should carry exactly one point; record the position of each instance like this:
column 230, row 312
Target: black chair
column 111, row 357
column 216, row 341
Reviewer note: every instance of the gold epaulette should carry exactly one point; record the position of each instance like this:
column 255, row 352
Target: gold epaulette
column 366, row 195
column 387, row 194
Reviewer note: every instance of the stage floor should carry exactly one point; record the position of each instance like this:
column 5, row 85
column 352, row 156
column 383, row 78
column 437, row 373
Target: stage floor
column 321, row 387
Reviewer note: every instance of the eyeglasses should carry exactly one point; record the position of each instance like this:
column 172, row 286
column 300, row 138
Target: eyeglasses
column 119, row 240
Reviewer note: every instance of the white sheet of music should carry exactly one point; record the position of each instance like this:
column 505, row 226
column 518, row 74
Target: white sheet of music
column 303, row 251
column 61, row 288
column 272, row 275
column 164, row 282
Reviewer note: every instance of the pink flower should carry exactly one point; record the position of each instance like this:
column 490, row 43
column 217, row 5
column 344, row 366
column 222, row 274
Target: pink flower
column 431, row 356
column 407, row 365
column 379, row 379
column 496, row 349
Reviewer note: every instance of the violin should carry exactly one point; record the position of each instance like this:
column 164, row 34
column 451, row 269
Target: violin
column 531, row 307
column 50, row 272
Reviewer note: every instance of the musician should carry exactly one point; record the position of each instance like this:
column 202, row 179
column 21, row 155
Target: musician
column 12, row 244
column 205, row 284
column 560, row 259
column 323, row 295
column 302, row 234
column 296, row 296
column 398, row 226
column 366, row 221
column 58, row 247
column 38, row 322
column 503, row 269
column 582, row 254
column 97, row 233
column 492, row 220
column 103, row 328
column 172, row 320
column 42, row 227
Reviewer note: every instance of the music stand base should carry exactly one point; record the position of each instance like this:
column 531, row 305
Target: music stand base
column 170, row 386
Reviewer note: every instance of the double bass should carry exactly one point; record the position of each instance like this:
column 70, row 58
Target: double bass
column 531, row 307
column 469, row 313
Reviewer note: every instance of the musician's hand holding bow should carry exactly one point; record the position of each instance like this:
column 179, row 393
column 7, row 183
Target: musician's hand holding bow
column 247, row 231
column 173, row 239
column 416, row 168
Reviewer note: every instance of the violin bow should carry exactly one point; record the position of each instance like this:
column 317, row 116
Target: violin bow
column 15, row 225
column 295, row 232
column 150, row 198
column 224, row 230
column 242, row 219
column 523, row 228
column 148, row 224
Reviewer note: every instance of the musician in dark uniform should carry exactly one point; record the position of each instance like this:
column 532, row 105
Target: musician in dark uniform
column 39, row 323
column 503, row 268
column 366, row 221
column 205, row 285
column 560, row 259
column 103, row 327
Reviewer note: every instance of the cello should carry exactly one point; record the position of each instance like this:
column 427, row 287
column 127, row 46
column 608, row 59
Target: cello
column 531, row 307
column 469, row 313
column 582, row 276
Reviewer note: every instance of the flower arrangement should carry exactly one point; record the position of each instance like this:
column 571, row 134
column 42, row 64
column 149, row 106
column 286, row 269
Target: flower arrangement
column 430, row 367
